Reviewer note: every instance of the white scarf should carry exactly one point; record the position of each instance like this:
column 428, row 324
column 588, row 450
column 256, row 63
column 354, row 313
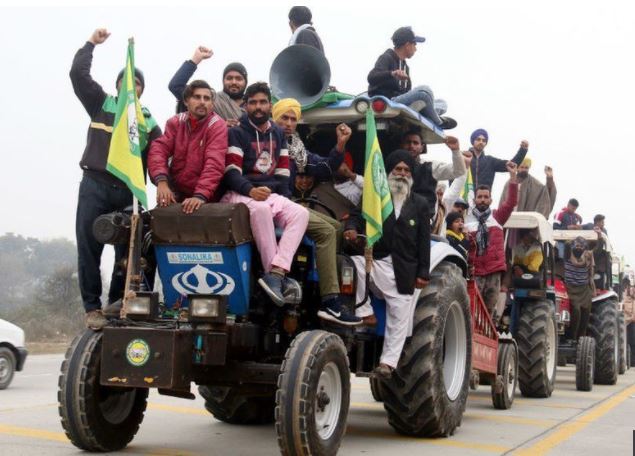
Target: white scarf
column 294, row 37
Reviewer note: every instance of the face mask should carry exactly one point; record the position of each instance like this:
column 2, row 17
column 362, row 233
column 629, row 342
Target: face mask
column 577, row 252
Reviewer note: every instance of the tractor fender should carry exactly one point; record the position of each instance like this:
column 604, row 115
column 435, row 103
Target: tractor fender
column 603, row 296
column 442, row 251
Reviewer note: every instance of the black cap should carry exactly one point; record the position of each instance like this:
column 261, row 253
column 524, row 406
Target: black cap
column 404, row 35
column 461, row 202
column 138, row 74
column 238, row 67
column 398, row 156
column 300, row 15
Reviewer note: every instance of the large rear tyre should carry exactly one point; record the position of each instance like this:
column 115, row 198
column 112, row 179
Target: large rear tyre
column 376, row 389
column 621, row 331
column 230, row 406
column 630, row 341
column 537, row 339
column 95, row 417
column 603, row 327
column 7, row 367
column 585, row 364
column 313, row 395
column 504, row 391
column 427, row 393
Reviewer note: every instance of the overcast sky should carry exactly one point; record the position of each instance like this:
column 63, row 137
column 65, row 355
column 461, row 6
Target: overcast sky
column 559, row 74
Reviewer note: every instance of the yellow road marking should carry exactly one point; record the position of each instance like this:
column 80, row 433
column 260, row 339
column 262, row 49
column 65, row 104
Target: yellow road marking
column 33, row 407
column 177, row 409
column 354, row 430
column 41, row 434
column 570, row 428
column 33, row 433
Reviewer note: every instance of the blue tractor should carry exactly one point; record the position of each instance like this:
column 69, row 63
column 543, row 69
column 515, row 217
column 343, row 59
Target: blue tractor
column 256, row 362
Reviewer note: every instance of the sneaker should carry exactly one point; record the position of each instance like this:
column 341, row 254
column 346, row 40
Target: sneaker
column 332, row 310
column 448, row 123
column 95, row 320
column 272, row 284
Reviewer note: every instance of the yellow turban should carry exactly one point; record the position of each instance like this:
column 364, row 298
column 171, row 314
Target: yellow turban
column 526, row 162
column 286, row 105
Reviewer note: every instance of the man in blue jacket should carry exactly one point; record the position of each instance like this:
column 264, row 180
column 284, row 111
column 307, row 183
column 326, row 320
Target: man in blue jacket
column 321, row 228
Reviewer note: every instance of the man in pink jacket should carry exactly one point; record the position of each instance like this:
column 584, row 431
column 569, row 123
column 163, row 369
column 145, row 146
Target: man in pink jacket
column 485, row 227
column 187, row 162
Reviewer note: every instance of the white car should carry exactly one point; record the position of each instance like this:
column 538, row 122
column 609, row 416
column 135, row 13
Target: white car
column 12, row 352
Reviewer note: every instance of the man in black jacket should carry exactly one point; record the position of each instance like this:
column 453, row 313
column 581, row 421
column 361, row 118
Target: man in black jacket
column 484, row 167
column 302, row 28
column 99, row 191
column 401, row 259
column 391, row 78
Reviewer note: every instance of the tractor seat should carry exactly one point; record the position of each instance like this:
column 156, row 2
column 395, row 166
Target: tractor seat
column 219, row 224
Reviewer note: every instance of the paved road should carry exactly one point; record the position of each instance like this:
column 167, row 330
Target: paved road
column 570, row 422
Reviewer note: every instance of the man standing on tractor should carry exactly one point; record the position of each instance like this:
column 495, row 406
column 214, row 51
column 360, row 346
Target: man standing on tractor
column 302, row 28
column 228, row 103
column 401, row 259
column 187, row 163
column 578, row 277
column 323, row 229
column 485, row 227
column 391, row 78
column 257, row 174
column 100, row 192
column 533, row 196
column 484, row 167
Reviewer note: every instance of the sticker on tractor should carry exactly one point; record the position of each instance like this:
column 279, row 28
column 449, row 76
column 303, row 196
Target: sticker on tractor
column 138, row 352
column 200, row 280
column 195, row 258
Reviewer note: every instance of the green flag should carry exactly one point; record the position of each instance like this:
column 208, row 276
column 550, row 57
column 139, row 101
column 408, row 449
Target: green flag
column 129, row 134
column 468, row 189
column 376, row 202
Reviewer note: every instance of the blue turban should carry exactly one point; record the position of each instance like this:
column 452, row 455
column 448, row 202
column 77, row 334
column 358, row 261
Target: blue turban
column 477, row 133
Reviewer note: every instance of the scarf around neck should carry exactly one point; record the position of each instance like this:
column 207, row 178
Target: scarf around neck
column 297, row 152
column 482, row 235
column 294, row 37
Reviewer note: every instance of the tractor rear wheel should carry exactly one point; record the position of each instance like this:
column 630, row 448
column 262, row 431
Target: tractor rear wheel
column 228, row 405
column 603, row 327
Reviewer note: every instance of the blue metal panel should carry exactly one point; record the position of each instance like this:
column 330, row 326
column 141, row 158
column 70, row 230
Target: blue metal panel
column 379, row 308
column 207, row 270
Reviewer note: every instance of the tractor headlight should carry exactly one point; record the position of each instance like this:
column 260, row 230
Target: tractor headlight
column 144, row 304
column 362, row 106
column 566, row 316
column 208, row 308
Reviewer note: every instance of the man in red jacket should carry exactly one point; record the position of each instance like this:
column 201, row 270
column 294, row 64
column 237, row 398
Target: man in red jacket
column 196, row 143
column 485, row 227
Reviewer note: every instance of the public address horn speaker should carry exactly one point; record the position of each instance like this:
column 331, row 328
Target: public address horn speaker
column 301, row 72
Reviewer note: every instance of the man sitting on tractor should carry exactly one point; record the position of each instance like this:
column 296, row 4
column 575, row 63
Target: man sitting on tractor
column 578, row 277
column 257, row 174
column 188, row 161
column 527, row 255
column 486, row 229
column 401, row 259
column 309, row 167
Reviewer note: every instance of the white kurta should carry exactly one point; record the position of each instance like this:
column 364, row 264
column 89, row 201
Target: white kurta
column 399, row 307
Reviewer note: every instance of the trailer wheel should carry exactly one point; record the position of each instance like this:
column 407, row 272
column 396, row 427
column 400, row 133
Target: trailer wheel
column 603, row 327
column 537, row 339
column 427, row 393
column 503, row 392
column 376, row 389
column 7, row 367
column 313, row 395
column 95, row 417
column 228, row 405
column 585, row 364
column 621, row 331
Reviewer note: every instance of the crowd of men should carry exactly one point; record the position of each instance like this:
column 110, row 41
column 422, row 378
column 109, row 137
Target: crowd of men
column 235, row 146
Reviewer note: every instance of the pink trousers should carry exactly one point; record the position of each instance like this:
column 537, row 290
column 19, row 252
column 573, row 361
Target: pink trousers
column 264, row 216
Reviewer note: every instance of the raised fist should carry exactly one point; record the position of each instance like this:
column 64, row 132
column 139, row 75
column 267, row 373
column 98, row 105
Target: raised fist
column 99, row 36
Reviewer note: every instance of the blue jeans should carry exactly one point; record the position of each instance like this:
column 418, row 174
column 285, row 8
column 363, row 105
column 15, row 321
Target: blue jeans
column 421, row 93
column 95, row 199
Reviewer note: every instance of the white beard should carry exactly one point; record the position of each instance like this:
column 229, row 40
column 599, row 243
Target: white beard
column 399, row 190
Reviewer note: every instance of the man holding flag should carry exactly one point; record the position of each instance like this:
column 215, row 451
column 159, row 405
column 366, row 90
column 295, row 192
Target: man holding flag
column 113, row 167
column 398, row 232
